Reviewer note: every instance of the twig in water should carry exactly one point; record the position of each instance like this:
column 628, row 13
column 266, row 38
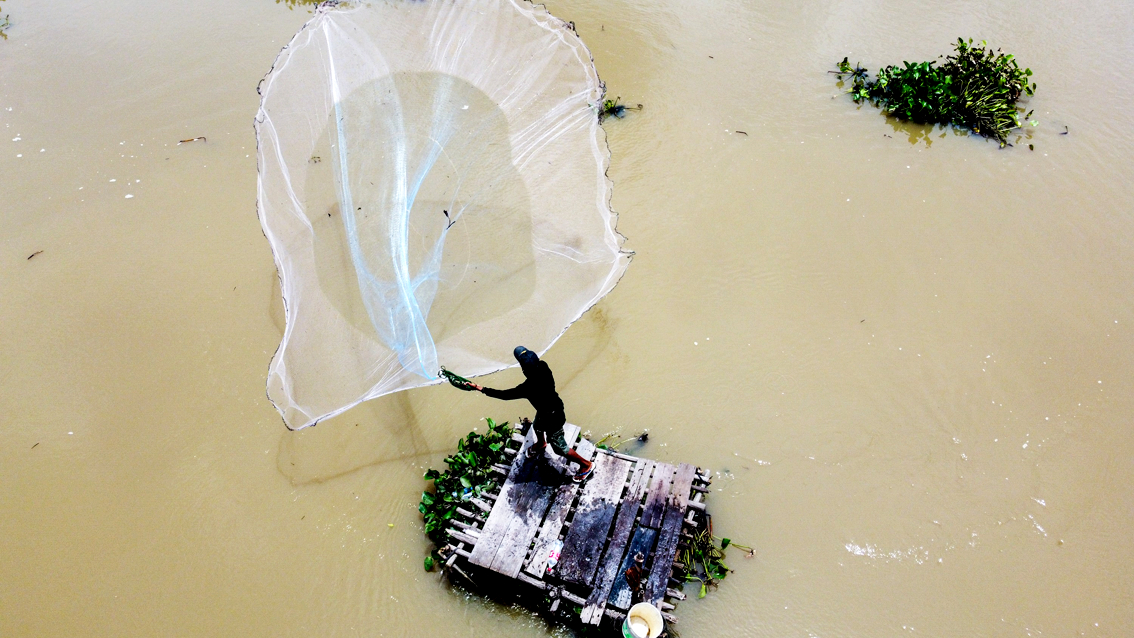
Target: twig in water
column 192, row 139
column 34, row 254
column 462, row 573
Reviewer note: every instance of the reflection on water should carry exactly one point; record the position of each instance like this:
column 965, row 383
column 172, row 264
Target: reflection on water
column 907, row 364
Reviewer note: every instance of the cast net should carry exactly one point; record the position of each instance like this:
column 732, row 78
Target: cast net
column 433, row 186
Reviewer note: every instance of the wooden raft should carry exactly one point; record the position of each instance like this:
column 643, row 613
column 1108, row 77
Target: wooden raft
column 629, row 505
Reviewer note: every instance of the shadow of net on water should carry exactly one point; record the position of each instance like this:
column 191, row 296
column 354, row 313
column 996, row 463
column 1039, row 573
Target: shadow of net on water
column 384, row 430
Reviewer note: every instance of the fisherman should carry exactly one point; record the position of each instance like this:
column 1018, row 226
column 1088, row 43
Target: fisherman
column 539, row 389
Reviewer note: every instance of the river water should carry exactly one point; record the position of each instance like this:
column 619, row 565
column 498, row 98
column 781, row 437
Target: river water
column 908, row 354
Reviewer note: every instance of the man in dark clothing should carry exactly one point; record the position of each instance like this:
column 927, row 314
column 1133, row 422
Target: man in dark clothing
column 539, row 389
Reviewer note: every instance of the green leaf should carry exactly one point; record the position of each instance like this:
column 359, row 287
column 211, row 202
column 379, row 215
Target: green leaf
column 725, row 542
column 704, row 590
column 465, row 481
column 427, row 498
column 428, row 563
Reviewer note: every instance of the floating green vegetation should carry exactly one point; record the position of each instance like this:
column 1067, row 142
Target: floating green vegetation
column 291, row 4
column 5, row 23
column 469, row 475
column 704, row 558
column 975, row 88
column 607, row 442
column 616, row 108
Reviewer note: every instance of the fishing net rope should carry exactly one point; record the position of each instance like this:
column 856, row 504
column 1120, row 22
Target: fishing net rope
column 432, row 181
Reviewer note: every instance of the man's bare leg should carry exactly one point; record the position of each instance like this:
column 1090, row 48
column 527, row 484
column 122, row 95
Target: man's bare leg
column 584, row 466
column 539, row 446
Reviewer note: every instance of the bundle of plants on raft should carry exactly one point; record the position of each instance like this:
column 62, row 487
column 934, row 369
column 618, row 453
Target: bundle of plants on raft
column 975, row 88
column 469, row 475
column 456, row 380
column 704, row 558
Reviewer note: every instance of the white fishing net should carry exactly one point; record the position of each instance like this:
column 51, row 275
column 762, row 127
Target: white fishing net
column 433, row 186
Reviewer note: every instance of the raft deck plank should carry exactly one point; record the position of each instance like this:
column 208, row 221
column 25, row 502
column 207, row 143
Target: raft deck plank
column 500, row 516
column 530, row 502
column 612, row 558
column 587, row 537
column 655, row 501
column 536, row 483
column 548, row 535
column 676, row 504
column 643, row 543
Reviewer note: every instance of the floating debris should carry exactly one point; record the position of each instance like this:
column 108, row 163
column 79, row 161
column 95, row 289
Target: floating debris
column 616, row 108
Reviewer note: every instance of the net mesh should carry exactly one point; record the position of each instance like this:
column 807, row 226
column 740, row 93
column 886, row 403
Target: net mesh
column 432, row 180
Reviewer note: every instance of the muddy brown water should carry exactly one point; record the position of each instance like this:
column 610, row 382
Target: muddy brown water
column 907, row 353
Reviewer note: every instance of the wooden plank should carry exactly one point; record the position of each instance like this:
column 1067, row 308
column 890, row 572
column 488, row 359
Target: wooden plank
column 464, row 538
column 533, row 489
column 524, row 578
column 501, row 516
column 642, row 542
column 618, row 617
column 548, row 535
column 670, row 532
column 584, row 543
column 566, row 595
column 655, row 502
column 528, row 502
column 623, row 525
column 467, row 514
column 463, row 525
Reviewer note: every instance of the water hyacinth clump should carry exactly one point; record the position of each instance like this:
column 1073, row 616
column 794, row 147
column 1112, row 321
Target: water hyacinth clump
column 975, row 88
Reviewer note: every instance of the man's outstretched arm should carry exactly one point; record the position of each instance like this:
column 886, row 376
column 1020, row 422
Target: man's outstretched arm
column 518, row 392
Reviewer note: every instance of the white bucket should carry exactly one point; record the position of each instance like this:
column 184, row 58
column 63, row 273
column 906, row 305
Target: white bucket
column 642, row 621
